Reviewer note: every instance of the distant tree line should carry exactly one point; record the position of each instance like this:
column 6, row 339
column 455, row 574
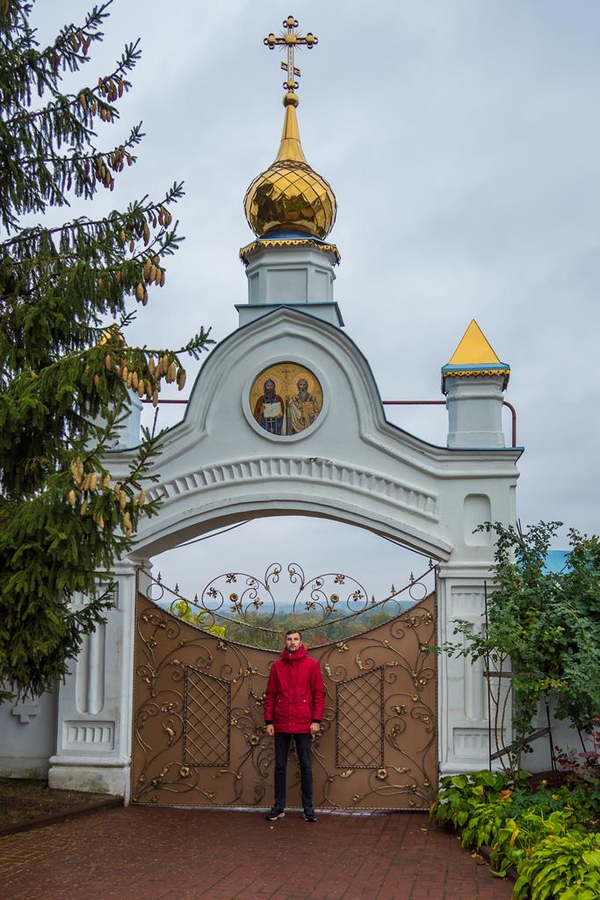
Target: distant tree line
column 266, row 631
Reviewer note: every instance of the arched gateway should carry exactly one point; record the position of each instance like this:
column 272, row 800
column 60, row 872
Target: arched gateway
column 286, row 419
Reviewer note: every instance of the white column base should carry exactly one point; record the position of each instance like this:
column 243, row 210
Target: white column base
column 113, row 778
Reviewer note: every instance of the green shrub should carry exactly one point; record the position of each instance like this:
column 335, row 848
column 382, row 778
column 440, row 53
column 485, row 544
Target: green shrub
column 459, row 795
column 582, row 802
column 540, row 832
column 563, row 867
column 542, row 800
column 513, row 841
column 544, row 627
column 485, row 822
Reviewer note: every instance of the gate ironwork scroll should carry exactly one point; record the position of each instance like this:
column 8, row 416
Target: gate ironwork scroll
column 199, row 689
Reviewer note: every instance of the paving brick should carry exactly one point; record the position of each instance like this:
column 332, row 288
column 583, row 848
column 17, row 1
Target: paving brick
column 142, row 853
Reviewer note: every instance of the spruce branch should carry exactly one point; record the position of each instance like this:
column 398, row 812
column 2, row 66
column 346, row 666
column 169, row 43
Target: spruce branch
column 133, row 140
column 131, row 222
column 67, row 379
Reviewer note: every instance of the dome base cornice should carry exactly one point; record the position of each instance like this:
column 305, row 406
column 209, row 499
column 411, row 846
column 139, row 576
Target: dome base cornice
column 281, row 241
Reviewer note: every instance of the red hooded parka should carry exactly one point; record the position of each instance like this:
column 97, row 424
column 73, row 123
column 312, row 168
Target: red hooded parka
column 295, row 693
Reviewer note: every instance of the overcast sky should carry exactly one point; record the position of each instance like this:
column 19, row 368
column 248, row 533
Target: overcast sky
column 462, row 140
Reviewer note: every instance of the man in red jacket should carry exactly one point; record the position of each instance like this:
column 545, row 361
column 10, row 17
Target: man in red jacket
column 294, row 706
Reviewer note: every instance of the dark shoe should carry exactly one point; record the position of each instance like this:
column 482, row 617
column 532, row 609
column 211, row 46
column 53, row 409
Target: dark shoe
column 309, row 815
column 274, row 814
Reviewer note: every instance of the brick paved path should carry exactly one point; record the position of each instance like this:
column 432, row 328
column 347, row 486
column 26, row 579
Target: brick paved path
column 176, row 854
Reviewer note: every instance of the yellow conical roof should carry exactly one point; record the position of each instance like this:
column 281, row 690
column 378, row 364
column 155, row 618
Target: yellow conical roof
column 290, row 195
column 474, row 349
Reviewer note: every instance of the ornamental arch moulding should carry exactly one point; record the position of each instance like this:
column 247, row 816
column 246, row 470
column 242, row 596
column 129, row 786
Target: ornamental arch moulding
column 349, row 463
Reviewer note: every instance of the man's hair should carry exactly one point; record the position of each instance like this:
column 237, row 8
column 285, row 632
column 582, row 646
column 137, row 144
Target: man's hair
column 294, row 631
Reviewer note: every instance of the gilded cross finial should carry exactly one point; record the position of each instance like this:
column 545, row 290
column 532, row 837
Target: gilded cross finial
column 290, row 39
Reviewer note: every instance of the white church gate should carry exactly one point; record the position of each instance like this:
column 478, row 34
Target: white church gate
column 199, row 737
column 220, row 466
column 285, row 418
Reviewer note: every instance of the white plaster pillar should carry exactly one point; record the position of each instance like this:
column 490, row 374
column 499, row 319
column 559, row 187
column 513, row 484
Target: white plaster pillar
column 474, row 407
column 464, row 715
column 465, row 739
column 130, row 433
column 93, row 750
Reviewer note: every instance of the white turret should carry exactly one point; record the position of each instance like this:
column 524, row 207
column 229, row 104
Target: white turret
column 474, row 382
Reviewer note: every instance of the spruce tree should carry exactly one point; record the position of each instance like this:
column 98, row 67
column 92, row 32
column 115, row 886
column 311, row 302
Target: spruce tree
column 67, row 293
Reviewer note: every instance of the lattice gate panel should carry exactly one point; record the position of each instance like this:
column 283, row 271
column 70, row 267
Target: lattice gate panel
column 359, row 721
column 199, row 737
column 206, row 717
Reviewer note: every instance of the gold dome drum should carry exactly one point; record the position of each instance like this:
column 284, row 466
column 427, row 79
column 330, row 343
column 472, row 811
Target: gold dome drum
column 290, row 195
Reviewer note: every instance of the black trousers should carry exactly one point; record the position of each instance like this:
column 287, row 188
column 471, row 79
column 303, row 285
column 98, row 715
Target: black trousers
column 304, row 750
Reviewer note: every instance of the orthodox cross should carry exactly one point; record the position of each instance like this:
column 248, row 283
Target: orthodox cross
column 290, row 39
column 285, row 371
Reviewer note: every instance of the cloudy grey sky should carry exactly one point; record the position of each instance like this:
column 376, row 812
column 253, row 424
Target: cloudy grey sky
column 462, row 140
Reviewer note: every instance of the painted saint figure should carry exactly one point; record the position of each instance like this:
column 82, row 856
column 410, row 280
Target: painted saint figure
column 302, row 408
column 270, row 410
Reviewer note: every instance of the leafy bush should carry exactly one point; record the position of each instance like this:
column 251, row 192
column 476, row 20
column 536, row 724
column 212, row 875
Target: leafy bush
column 545, row 624
column 583, row 801
column 542, row 800
column 459, row 795
column 514, row 840
column 486, row 822
column 563, row 867
column 540, row 831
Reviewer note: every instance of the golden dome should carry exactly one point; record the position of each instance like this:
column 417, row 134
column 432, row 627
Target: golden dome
column 289, row 195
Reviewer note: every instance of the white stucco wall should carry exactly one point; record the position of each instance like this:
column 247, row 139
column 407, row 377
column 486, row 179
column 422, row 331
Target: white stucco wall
column 27, row 736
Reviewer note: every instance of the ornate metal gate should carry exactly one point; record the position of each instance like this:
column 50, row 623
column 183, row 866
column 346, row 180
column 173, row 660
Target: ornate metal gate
column 199, row 737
